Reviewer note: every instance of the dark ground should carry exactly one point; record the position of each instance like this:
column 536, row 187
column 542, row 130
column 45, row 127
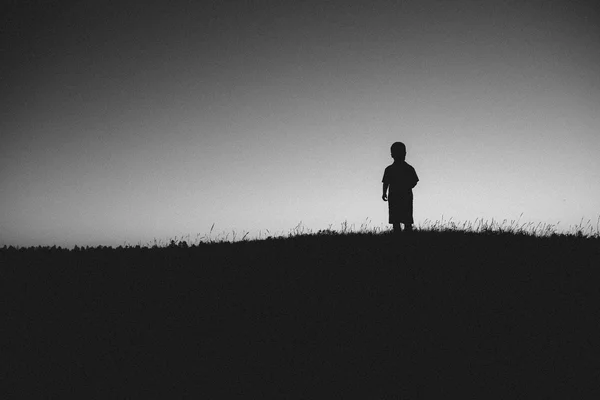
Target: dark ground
column 321, row 316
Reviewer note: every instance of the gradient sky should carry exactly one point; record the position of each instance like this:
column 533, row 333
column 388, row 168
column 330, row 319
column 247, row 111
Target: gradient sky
column 127, row 121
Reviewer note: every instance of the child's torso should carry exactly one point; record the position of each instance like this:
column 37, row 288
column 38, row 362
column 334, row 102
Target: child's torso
column 400, row 176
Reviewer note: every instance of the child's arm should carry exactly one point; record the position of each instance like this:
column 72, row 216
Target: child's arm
column 385, row 188
column 415, row 179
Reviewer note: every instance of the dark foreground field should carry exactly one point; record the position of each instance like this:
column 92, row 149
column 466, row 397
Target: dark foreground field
column 318, row 316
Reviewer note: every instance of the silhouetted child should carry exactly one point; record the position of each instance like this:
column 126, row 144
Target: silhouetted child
column 400, row 178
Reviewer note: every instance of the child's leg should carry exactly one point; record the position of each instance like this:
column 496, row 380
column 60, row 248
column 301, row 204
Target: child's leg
column 397, row 227
column 408, row 227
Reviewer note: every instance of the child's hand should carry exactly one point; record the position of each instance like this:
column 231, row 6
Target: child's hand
column 384, row 197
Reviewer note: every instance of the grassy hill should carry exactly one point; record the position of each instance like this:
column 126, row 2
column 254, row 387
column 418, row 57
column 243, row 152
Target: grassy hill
column 364, row 315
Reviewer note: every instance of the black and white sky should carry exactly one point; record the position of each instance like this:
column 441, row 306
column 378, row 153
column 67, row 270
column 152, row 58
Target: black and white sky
column 126, row 121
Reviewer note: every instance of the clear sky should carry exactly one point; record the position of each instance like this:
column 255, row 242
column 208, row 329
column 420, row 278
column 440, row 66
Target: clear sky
column 127, row 121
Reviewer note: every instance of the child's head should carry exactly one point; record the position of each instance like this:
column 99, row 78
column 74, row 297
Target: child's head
column 398, row 151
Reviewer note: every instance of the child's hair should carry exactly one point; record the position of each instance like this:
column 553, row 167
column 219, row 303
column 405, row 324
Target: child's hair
column 398, row 148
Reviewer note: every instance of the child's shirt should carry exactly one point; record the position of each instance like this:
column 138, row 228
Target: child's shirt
column 401, row 177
